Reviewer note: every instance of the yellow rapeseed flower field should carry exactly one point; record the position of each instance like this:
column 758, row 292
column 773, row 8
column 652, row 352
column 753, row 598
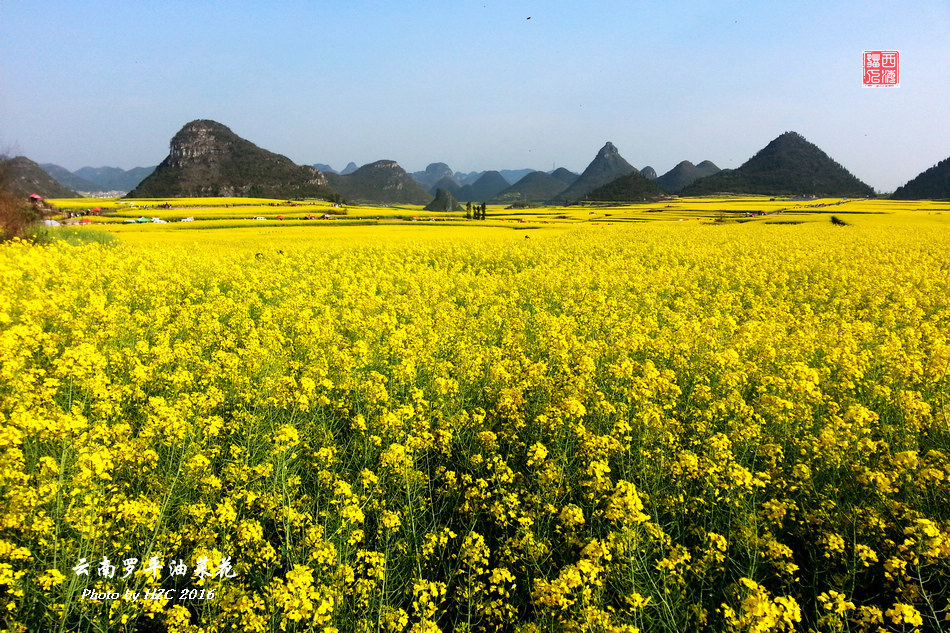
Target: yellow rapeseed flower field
column 611, row 426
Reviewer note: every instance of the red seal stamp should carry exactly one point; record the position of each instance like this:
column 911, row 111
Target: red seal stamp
column 881, row 68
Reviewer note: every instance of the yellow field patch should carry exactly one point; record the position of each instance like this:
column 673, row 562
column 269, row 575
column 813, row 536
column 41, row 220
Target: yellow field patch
column 727, row 423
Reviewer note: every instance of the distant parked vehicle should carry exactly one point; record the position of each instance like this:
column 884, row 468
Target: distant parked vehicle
column 260, row 217
column 187, row 219
column 158, row 221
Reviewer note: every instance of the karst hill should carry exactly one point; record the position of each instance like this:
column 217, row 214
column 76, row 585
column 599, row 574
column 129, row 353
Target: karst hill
column 206, row 158
column 787, row 166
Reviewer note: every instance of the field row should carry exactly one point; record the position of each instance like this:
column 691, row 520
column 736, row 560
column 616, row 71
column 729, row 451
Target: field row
column 238, row 211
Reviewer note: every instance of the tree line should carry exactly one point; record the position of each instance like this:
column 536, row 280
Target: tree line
column 476, row 211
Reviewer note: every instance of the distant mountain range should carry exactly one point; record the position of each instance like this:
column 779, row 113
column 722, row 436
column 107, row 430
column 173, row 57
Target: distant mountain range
column 93, row 180
column 382, row 182
column 206, row 158
column 23, row 177
column 448, row 183
column 488, row 185
column 115, row 179
column 440, row 175
column 559, row 187
column 68, row 179
column 537, row 187
column 434, row 173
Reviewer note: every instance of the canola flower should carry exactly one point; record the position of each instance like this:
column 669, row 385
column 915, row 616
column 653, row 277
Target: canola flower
column 644, row 428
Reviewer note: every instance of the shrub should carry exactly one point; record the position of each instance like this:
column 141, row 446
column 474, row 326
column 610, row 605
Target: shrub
column 15, row 215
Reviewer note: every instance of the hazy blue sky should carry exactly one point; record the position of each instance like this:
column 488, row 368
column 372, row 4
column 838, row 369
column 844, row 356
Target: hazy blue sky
column 477, row 84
